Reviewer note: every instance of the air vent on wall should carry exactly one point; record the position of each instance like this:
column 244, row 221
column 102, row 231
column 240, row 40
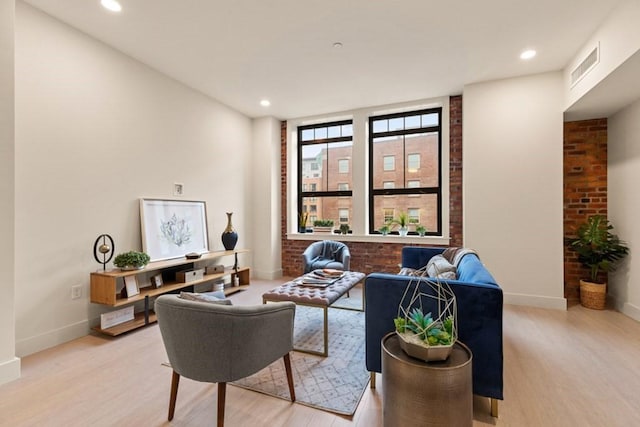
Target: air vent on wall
column 585, row 66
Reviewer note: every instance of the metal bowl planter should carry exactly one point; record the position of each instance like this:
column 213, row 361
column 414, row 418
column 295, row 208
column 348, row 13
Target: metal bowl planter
column 427, row 336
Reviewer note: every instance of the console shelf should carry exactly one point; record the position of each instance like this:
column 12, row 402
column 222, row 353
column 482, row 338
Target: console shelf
column 106, row 285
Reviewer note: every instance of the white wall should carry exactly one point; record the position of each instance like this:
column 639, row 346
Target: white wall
column 266, row 176
column 9, row 364
column 95, row 131
column 512, row 184
column 624, row 204
column 618, row 38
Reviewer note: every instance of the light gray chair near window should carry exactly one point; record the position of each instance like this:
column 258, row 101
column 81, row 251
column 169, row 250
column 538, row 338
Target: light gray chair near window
column 326, row 254
column 222, row 343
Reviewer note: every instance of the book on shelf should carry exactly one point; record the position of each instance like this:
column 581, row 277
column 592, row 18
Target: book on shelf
column 116, row 317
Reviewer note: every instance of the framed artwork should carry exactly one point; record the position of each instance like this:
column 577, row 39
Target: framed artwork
column 173, row 228
column 131, row 283
column 156, row 280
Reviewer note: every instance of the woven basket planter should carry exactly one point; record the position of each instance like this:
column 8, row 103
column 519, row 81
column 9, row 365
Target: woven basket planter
column 593, row 295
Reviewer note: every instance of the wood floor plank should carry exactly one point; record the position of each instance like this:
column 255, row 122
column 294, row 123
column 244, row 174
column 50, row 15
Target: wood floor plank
column 574, row 367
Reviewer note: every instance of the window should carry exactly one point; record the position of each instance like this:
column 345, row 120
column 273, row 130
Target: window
column 343, row 215
column 389, row 163
column 325, row 149
column 343, row 165
column 414, row 215
column 415, row 140
column 388, row 215
column 387, row 185
column 413, row 162
column 413, row 184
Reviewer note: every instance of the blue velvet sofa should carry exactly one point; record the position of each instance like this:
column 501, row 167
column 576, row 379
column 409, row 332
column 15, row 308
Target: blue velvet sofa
column 479, row 301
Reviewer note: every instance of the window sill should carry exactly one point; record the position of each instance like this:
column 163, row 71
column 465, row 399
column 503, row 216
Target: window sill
column 406, row 240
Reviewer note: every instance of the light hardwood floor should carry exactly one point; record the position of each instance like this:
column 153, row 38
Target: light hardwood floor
column 577, row 367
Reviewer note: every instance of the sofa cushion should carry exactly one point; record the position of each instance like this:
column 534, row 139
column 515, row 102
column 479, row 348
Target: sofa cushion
column 206, row 297
column 439, row 267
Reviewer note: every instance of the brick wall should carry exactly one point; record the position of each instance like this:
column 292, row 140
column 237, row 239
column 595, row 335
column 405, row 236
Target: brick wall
column 585, row 188
column 455, row 170
column 372, row 256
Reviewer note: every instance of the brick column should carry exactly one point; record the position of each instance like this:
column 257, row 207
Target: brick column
column 585, row 188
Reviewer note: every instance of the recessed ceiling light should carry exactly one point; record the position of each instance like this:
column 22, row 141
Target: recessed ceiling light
column 111, row 5
column 337, row 45
column 528, row 54
column 265, row 103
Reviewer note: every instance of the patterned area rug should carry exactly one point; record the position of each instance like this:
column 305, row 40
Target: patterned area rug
column 334, row 383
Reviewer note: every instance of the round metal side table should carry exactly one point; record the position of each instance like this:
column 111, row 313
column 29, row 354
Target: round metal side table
column 429, row 394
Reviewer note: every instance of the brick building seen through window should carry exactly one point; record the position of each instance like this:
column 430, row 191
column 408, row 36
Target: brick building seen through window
column 404, row 165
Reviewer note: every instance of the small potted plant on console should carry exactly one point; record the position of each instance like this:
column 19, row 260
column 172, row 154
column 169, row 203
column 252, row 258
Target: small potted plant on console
column 132, row 260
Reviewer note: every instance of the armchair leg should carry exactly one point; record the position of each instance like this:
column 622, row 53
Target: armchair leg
column 287, row 368
column 372, row 382
column 175, row 381
column 222, row 391
column 494, row 407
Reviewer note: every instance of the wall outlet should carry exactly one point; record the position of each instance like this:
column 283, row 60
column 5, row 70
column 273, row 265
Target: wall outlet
column 178, row 189
column 76, row 291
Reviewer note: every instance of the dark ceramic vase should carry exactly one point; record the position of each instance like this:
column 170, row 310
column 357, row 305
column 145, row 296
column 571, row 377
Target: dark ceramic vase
column 229, row 236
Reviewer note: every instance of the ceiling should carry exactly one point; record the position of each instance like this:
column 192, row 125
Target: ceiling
column 241, row 51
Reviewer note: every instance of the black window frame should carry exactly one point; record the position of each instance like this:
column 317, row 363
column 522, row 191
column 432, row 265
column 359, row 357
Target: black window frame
column 406, row 190
column 334, row 193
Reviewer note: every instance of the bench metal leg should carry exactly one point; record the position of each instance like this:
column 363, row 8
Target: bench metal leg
column 325, row 351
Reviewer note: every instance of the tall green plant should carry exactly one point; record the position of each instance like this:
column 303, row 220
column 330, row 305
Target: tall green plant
column 402, row 220
column 597, row 247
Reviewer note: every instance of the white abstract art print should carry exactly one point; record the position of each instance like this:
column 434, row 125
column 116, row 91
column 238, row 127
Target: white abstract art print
column 173, row 228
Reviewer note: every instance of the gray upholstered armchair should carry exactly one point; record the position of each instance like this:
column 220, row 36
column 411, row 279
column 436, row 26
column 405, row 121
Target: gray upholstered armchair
column 326, row 254
column 221, row 343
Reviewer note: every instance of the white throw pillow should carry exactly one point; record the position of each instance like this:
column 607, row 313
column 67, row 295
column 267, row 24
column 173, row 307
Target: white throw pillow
column 439, row 267
column 191, row 296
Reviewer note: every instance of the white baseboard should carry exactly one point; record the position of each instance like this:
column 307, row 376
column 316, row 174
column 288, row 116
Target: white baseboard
column 266, row 275
column 631, row 311
column 9, row 370
column 625, row 307
column 536, row 301
column 49, row 339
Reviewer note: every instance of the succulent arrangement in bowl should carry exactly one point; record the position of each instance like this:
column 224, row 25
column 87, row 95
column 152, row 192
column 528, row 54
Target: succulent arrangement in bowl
column 132, row 260
column 425, row 328
column 423, row 335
